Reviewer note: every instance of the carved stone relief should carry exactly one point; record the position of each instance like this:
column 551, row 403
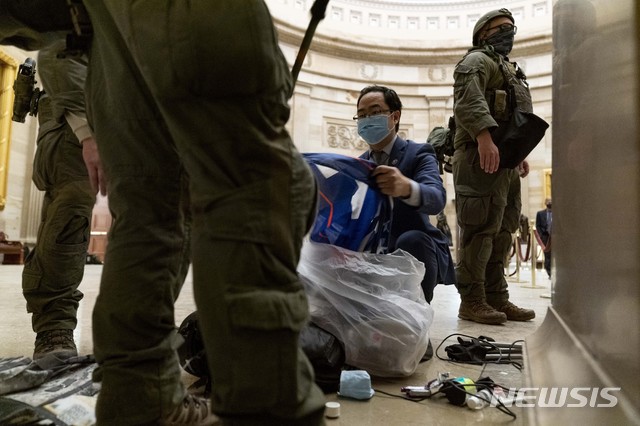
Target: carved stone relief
column 343, row 135
column 369, row 71
column 437, row 74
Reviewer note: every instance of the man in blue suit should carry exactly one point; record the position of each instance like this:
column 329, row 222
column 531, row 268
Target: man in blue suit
column 543, row 226
column 408, row 172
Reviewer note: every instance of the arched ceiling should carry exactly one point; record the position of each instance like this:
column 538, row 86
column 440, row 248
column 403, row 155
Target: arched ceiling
column 408, row 31
column 429, row 4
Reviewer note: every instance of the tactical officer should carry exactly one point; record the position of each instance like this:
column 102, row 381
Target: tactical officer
column 487, row 197
column 53, row 270
column 201, row 86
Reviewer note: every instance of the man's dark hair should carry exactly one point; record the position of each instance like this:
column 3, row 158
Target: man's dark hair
column 391, row 98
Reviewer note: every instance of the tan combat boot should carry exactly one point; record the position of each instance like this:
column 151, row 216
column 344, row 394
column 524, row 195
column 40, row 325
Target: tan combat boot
column 193, row 411
column 513, row 312
column 474, row 307
column 55, row 342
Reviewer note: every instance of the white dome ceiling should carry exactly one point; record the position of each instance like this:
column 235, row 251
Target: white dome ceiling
column 408, row 30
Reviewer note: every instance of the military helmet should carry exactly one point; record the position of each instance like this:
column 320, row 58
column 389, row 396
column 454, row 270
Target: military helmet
column 486, row 18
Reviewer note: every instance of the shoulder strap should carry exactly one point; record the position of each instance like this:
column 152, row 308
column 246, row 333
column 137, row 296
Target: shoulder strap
column 500, row 61
column 508, row 78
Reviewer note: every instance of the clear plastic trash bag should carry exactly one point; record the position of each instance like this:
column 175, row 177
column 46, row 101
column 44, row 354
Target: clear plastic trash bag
column 372, row 303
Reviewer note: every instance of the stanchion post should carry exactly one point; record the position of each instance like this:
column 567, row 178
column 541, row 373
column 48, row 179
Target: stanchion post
column 516, row 249
column 518, row 256
column 534, row 256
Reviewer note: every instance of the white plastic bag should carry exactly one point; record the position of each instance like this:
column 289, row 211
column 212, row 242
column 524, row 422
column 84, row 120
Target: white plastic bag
column 372, row 303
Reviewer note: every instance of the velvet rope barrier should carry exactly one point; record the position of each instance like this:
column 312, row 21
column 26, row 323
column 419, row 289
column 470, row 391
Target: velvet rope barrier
column 511, row 254
column 527, row 255
column 546, row 248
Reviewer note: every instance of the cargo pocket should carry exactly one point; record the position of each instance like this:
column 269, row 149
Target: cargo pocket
column 473, row 210
column 268, row 310
column 44, row 162
column 265, row 370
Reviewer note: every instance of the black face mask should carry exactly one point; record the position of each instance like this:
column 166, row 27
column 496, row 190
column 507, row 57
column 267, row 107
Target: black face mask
column 502, row 42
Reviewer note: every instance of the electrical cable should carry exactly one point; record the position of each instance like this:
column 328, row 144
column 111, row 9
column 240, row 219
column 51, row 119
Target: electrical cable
column 499, row 405
column 504, row 358
column 402, row 396
column 478, row 384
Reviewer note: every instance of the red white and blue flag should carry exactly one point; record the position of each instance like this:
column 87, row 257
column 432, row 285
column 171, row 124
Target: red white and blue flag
column 351, row 212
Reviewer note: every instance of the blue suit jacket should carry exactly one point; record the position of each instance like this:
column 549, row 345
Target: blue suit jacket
column 542, row 225
column 418, row 162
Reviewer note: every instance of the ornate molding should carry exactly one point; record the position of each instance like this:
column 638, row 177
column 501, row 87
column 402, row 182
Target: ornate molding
column 369, row 71
column 438, row 74
column 428, row 6
column 355, row 50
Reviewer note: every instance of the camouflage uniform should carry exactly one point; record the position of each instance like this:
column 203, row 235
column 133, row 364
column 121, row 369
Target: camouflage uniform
column 487, row 205
column 202, row 85
column 54, row 268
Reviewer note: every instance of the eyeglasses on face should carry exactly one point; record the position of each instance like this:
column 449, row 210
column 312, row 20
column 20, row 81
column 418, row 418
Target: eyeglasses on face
column 373, row 113
column 503, row 28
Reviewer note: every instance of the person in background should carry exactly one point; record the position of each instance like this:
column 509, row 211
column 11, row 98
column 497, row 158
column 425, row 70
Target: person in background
column 67, row 168
column 524, row 227
column 443, row 225
column 544, row 218
column 487, row 197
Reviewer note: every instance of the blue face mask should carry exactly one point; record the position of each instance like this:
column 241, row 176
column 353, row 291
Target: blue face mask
column 374, row 129
column 355, row 384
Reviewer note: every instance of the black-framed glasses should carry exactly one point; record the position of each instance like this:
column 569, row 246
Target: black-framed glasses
column 371, row 114
column 503, row 28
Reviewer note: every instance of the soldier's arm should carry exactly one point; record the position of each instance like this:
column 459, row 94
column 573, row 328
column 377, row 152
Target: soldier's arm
column 471, row 110
column 472, row 78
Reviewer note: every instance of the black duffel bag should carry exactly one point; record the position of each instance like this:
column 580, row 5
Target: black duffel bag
column 517, row 137
column 324, row 350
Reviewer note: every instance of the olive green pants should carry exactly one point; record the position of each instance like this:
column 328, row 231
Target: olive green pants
column 201, row 86
column 54, row 268
column 488, row 211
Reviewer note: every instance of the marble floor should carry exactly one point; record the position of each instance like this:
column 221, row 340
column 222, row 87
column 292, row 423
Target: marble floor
column 386, row 407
